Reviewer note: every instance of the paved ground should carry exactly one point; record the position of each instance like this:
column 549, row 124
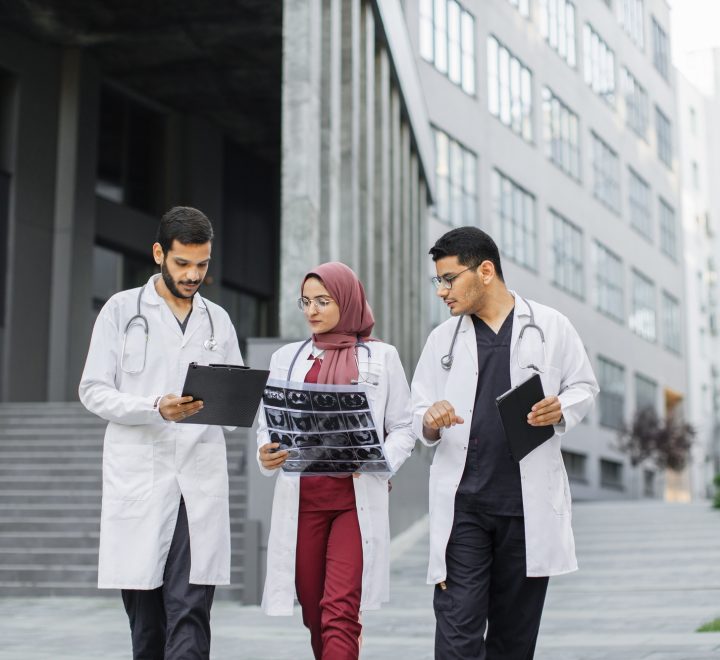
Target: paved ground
column 650, row 575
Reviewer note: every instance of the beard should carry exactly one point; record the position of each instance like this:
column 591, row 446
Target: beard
column 173, row 286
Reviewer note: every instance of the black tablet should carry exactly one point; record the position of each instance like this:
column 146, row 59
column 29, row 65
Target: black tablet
column 231, row 394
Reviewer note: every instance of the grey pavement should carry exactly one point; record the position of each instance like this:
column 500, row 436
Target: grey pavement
column 649, row 576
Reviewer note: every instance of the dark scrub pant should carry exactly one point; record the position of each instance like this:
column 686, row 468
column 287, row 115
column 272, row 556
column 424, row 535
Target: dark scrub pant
column 487, row 585
column 172, row 622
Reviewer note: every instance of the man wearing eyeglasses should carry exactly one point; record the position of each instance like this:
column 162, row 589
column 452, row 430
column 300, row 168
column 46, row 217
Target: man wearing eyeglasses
column 498, row 529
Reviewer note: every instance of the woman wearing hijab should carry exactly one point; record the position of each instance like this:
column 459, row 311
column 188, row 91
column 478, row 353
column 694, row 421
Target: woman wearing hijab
column 330, row 535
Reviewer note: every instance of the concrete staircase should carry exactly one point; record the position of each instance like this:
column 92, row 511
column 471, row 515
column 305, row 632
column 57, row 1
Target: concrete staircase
column 50, row 488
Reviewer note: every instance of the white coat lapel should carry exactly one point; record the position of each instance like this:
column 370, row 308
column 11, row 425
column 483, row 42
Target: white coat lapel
column 467, row 338
column 198, row 318
column 164, row 312
column 520, row 318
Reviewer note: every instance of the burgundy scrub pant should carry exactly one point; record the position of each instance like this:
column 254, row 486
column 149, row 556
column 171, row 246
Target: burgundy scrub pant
column 328, row 580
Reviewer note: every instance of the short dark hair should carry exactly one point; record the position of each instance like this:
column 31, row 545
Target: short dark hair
column 186, row 225
column 470, row 245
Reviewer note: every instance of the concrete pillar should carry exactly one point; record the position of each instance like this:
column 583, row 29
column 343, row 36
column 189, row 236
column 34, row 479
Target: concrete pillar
column 330, row 131
column 350, row 134
column 395, row 282
column 300, row 178
column 367, row 153
column 383, row 188
column 74, row 226
column 31, row 218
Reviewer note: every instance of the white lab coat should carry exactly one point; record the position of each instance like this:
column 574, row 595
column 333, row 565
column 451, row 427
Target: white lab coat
column 149, row 462
column 390, row 403
column 545, row 490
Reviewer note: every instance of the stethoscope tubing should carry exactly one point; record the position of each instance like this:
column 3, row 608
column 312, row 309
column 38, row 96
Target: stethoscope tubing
column 359, row 344
column 446, row 361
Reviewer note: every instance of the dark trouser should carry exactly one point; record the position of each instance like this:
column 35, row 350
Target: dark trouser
column 487, row 584
column 328, row 581
column 172, row 622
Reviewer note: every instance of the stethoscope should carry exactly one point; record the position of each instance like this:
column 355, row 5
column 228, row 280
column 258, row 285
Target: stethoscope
column 354, row 381
column 141, row 320
column 447, row 360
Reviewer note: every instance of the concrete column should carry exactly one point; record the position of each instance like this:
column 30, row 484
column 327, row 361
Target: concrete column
column 383, row 187
column 406, row 230
column 300, row 179
column 330, row 132
column 367, row 153
column 395, row 274
column 74, row 226
column 350, row 135
column 31, row 218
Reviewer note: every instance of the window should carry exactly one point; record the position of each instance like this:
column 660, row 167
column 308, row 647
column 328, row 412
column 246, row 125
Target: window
column 606, row 170
column 611, row 474
column 609, row 290
column 611, row 400
column 630, row 13
column 668, row 231
column 575, row 465
column 509, row 89
column 671, row 323
column 567, row 256
column 447, row 40
column 523, row 6
column 561, row 134
column 557, row 25
column 130, row 152
column 695, row 175
column 455, row 173
column 636, row 103
column 114, row 271
column 664, row 137
column 646, row 391
column 648, row 483
column 515, row 211
column 599, row 65
column 643, row 314
column 661, row 49
column 639, row 199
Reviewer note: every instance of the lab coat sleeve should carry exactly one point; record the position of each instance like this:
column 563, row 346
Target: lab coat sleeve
column 578, row 385
column 399, row 436
column 263, row 437
column 98, row 391
column 424, row 389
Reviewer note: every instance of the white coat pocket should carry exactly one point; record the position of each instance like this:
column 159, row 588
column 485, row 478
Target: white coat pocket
column 128, row 472
column 559, row 490
column 211, row 468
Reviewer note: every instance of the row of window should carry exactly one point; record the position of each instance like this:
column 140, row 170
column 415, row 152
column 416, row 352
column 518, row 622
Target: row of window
column 447, row 40
column 516, row 218
column 611, row 472
column 613, row 394
column 556, row 19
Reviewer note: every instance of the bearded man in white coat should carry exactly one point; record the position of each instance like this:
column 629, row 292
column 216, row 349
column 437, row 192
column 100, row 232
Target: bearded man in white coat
column 165, row 524
column 498, row 528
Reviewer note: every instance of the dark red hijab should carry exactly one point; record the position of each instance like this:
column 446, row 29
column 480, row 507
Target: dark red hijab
column 339, row 365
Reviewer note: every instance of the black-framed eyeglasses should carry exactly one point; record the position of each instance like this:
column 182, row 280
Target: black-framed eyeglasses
column 447, row 280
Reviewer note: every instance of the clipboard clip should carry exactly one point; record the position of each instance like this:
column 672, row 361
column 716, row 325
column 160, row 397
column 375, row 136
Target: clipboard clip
column 220, row 366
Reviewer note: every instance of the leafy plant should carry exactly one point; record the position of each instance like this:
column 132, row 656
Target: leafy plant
column 664, row 442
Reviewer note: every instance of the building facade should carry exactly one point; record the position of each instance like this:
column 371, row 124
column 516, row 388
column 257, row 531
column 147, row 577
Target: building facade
column 556, row 131
column 298, row 127
column 698, row 109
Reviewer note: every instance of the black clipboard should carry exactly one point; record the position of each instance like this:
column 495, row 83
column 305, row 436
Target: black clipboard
column 230, row 393
column 514, row 407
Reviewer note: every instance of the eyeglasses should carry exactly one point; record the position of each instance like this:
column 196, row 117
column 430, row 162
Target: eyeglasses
column 320, row 304
column 447, row 280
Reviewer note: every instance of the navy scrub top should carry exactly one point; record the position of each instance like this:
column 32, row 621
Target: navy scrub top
column 491, row 479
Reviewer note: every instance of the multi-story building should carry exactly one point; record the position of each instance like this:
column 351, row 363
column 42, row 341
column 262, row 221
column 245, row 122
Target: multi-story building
column 555, row 131
column 698, row 110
